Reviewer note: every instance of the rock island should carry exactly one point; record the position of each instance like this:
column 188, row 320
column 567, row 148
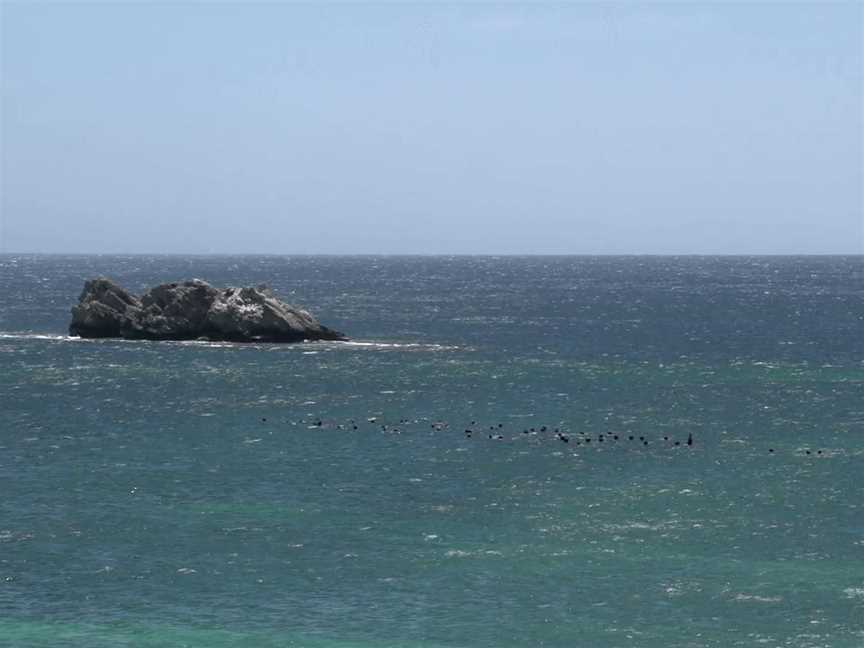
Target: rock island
column 192, row 310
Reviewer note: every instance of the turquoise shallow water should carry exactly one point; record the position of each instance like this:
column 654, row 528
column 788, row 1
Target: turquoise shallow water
column 147, row 503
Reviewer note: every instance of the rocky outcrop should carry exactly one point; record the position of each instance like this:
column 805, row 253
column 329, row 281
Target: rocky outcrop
column 192, row 310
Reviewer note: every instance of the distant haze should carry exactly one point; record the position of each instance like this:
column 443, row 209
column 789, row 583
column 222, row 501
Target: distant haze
column 580, row 129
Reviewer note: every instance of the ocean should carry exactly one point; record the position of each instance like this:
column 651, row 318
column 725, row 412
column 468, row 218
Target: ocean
column 328, row 495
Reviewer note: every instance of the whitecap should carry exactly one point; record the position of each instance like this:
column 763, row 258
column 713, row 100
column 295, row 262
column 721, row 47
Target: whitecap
column 12, row 335
column 854, row 592
column 758, row 599
column 393, row 345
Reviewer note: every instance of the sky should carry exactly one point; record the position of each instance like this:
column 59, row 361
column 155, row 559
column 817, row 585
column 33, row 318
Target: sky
column 274, row 128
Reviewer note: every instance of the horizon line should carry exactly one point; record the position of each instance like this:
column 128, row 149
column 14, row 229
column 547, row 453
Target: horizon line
column 439, row 254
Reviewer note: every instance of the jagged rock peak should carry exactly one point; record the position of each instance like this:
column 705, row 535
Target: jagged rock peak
column 191, row 310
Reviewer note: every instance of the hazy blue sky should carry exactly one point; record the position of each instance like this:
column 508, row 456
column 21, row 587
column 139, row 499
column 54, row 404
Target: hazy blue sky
column 276, row 128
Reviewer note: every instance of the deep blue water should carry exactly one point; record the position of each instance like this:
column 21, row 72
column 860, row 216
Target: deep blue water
column 145, row 501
